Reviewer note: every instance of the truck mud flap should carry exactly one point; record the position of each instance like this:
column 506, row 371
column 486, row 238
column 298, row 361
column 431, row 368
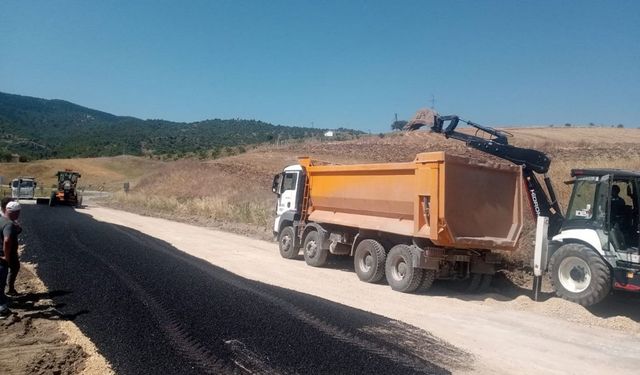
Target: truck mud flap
column 422, row 259
column 478, row 265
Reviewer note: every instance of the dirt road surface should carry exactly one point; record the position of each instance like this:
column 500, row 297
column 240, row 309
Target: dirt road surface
column 439, row 331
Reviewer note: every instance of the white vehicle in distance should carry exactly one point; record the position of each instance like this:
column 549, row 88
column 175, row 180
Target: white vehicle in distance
column 23, row 187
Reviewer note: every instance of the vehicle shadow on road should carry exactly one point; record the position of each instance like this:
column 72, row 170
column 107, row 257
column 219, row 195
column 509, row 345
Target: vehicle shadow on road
column 619, row 303
column 502, row 289
column 335, row 262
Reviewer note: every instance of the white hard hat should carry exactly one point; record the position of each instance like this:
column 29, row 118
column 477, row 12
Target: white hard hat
column 13, row 206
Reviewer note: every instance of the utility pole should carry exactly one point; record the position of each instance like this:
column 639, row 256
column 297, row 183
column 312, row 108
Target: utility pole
column 396, row 117
column 433, row 101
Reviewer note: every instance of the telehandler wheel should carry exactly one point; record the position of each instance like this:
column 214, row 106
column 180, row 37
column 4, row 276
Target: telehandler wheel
column 286, row 243
column 368, row 261
column 579, row 274
column 314, row 255
column 401, row 274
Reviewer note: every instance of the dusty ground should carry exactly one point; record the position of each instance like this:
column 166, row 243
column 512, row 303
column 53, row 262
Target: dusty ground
column 563, row 337
column 37, row 339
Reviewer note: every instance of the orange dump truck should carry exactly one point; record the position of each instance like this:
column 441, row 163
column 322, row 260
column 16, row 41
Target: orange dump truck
column 436, row 217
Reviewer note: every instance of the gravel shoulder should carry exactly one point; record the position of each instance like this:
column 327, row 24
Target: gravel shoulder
column 505, row 333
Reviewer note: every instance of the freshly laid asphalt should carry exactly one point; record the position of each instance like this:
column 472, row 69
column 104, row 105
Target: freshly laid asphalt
column 152, row 309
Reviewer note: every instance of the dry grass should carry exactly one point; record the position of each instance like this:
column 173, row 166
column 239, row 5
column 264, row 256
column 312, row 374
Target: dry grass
column 219, row 193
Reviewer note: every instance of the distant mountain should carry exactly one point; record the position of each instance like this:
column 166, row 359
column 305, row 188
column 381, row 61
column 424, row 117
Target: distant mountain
column 39, row 129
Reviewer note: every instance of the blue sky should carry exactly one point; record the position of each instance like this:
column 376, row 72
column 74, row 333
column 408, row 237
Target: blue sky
column 330, row 63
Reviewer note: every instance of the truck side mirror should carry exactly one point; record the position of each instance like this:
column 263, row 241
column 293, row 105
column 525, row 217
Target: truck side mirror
column 275, row 186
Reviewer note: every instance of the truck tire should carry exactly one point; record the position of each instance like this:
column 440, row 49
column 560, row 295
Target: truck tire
column 579, row 274
column 471, row 285
column 402, row 276
column 485, row 283
column 368, row 261
column 314, row 255
column 427, row 280
column 286, row 243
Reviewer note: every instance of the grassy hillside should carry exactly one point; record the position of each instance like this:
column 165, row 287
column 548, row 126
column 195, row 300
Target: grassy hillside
column 37, row 128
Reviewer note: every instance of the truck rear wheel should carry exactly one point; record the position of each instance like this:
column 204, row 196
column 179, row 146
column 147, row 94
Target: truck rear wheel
column 474, row 283
column 287, row 243
column 314, row 255
column 368, row 261
column 578, row 274
column 401, row 273
column 485, row 284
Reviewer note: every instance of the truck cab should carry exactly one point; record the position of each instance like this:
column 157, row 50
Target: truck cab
column 286, row 186
column 23, row 187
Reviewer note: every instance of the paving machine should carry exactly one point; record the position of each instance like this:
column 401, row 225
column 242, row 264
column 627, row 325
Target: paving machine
column 595, row 247
column 66, row 192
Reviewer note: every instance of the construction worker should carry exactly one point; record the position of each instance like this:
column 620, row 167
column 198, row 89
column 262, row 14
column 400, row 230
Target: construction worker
column 4, row 270
column 10, row 231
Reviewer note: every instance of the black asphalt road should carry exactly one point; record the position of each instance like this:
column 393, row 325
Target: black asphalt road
column 152, row 309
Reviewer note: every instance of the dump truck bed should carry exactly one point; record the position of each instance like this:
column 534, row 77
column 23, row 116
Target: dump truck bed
column 451, row 200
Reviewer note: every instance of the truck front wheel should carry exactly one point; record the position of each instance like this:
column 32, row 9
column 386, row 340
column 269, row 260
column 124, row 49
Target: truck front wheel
column 368, row 261
column 287, row 243
column 314, row 255
column 579, row 275
column 401, row 273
